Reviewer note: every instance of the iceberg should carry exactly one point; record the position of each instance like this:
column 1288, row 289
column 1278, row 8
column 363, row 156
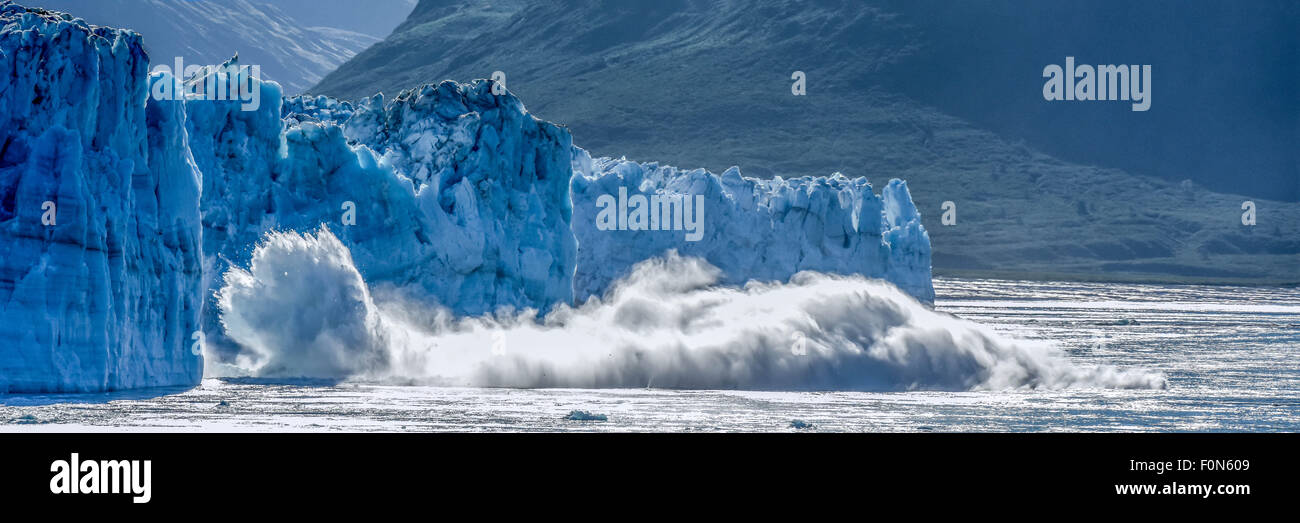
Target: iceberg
column 582, row 415
column 99, row 213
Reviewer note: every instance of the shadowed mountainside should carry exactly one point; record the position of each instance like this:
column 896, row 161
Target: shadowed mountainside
column 696, row 83
column 295, row 42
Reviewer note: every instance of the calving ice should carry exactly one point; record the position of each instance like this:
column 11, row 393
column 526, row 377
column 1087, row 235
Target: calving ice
column 658, row 212
column 74, row 476
column 1103, row 82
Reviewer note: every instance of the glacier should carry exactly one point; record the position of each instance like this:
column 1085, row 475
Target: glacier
column 450, row 198
column 753, row 229
column 99, row 287
column 466, row 205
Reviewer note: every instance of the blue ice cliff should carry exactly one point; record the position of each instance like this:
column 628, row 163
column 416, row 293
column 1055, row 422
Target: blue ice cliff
column 752, row 229
column 467, row 207
column 448, row 196
column 99, row 220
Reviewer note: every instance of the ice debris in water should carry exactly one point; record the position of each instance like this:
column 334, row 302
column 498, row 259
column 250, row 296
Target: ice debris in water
column 582, row 415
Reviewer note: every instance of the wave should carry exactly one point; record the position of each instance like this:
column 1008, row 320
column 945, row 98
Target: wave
column 301, row 309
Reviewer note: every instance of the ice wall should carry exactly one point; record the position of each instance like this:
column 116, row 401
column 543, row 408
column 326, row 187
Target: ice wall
column 466, row 205
column 751, row 228
column 450, row 194
column 99, row 220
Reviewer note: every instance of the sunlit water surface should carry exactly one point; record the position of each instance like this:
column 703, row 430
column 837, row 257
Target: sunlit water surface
column 1230, row 355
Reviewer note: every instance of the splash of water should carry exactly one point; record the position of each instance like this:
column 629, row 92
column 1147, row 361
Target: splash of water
column 302, row 310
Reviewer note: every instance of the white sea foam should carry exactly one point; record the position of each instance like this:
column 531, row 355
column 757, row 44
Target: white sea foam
column 302, row 310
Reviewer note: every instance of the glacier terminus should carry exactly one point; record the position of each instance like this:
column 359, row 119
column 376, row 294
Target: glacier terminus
column 462, row 201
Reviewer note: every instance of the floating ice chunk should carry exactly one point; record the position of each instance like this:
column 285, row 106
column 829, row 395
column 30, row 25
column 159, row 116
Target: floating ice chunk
column 582, row 415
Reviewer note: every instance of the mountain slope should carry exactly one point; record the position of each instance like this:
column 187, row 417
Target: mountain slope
column 694, row 83
column 293, row 46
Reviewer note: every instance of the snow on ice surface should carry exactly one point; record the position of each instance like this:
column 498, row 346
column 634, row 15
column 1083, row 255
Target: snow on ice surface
column 107, row 297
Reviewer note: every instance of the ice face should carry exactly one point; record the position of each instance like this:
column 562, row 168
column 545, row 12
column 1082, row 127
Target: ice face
column 465, row 205
column 463, row 200
column 452, row 196
column 99, row 221
column 751, row 229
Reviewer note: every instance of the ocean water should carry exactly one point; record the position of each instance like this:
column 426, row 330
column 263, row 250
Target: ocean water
column 1231, row 357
